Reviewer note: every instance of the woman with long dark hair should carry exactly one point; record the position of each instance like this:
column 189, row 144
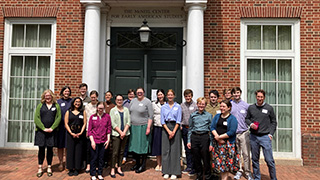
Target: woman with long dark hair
column 157, row 127
column 64, row 103
column 75, row 122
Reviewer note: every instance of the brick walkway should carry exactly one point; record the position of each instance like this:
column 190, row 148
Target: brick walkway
column 21, row 167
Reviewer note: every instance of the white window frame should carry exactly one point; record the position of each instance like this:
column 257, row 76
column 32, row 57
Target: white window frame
column 22, row 51
column 293, row 54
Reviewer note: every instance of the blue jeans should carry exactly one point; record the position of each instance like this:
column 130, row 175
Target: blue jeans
column 184, row 133
column 266, row 144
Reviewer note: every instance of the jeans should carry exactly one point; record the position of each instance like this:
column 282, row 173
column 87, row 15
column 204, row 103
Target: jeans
column 188, row 151
column 266, row 144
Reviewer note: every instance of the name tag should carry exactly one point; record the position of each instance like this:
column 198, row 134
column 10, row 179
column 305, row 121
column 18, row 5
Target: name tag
column 218, row 112
column 63, row 104
column 225, row 123
column 53, row 109
column 243, row 111
column 85, row 103
column 140, row 104
column 80, row 116
column 94, row 118
column 191, row 108
column 264, row 111
column 175, row 108
column 115, row 113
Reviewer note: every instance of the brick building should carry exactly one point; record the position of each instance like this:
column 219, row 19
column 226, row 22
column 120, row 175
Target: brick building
column 195, row 44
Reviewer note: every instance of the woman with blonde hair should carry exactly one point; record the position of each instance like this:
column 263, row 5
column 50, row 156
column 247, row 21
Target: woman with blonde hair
column 47, row 118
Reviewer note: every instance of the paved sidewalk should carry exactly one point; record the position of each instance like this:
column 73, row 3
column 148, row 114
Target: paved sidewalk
column 21, row 167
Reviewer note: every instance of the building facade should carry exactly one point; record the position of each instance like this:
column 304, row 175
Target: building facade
column 197, row 44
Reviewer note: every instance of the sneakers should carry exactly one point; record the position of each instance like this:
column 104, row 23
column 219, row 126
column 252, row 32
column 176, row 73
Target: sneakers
column 166, row 176
column 250, row 177
column 186, row 171
column 173, row 177
column 191, row 173
column 237, row 176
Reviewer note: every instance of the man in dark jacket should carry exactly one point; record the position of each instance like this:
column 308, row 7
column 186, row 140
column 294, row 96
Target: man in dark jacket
column 262, row 121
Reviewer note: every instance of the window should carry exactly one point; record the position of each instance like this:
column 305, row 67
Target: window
column 275, row 77
column 270, row 60
column 269, row 37
column 29, row 77
column 29, row 65
column 31, row 35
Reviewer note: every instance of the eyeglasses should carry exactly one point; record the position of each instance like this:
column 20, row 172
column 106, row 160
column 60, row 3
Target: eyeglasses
column 101, row 108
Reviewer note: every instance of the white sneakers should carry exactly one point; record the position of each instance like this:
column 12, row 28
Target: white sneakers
column 237, row 176
column 250, row 177
column 166, row 176
column 173, row 177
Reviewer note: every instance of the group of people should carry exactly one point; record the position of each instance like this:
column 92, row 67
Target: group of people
column 214, row 134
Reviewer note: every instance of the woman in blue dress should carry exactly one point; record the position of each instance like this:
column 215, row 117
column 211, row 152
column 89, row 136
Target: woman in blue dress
column 64, row 103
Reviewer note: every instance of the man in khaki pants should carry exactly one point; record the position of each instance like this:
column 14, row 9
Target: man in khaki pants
column 239, row 110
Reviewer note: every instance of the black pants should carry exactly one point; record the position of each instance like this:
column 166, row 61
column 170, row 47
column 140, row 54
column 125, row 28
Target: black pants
column 74, row 152
column 97, row 156
column 41, row 155
column 86, row 150
column 200, row 151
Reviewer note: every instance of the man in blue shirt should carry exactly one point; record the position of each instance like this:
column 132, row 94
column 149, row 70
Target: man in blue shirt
column 200, row 138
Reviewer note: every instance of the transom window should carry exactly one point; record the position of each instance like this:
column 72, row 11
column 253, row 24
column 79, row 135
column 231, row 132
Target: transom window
column 269, row 37
column 31, row 35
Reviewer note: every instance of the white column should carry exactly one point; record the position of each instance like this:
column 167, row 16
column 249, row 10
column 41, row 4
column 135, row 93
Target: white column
column 91, row 54
column 195, row 51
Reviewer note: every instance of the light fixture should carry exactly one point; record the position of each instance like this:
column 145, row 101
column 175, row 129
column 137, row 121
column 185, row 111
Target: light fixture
column 144, row 32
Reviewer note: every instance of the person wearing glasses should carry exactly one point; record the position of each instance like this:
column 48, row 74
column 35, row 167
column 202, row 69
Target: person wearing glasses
column 99, row 130
column 141, row 112
column 120, row 120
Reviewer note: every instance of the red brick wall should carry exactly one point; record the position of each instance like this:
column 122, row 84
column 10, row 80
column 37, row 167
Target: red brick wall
column 69, row 36
column 222, row 59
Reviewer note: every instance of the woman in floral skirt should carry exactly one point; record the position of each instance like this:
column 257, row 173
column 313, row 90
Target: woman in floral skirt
column 223, row 128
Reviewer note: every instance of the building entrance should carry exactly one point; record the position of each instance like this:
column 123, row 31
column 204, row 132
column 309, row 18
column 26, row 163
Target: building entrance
column 154, row 65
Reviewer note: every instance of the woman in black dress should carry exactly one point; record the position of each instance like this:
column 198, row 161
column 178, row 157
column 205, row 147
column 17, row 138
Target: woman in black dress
column 75, row 122
column 47, row 118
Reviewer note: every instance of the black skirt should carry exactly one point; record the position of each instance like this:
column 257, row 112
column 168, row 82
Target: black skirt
column 44, row 139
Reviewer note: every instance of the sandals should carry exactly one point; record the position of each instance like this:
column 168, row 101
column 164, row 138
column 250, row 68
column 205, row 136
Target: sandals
column 49, row 173
column 39, row 173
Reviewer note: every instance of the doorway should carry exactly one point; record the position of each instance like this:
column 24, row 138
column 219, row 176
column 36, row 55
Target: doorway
column 155, row 65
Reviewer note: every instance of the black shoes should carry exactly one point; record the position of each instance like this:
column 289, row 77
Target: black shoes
column 140, row 169
column 135, row 167
column 121, row 174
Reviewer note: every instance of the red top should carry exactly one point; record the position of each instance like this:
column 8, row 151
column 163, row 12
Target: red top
column 99, row 127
